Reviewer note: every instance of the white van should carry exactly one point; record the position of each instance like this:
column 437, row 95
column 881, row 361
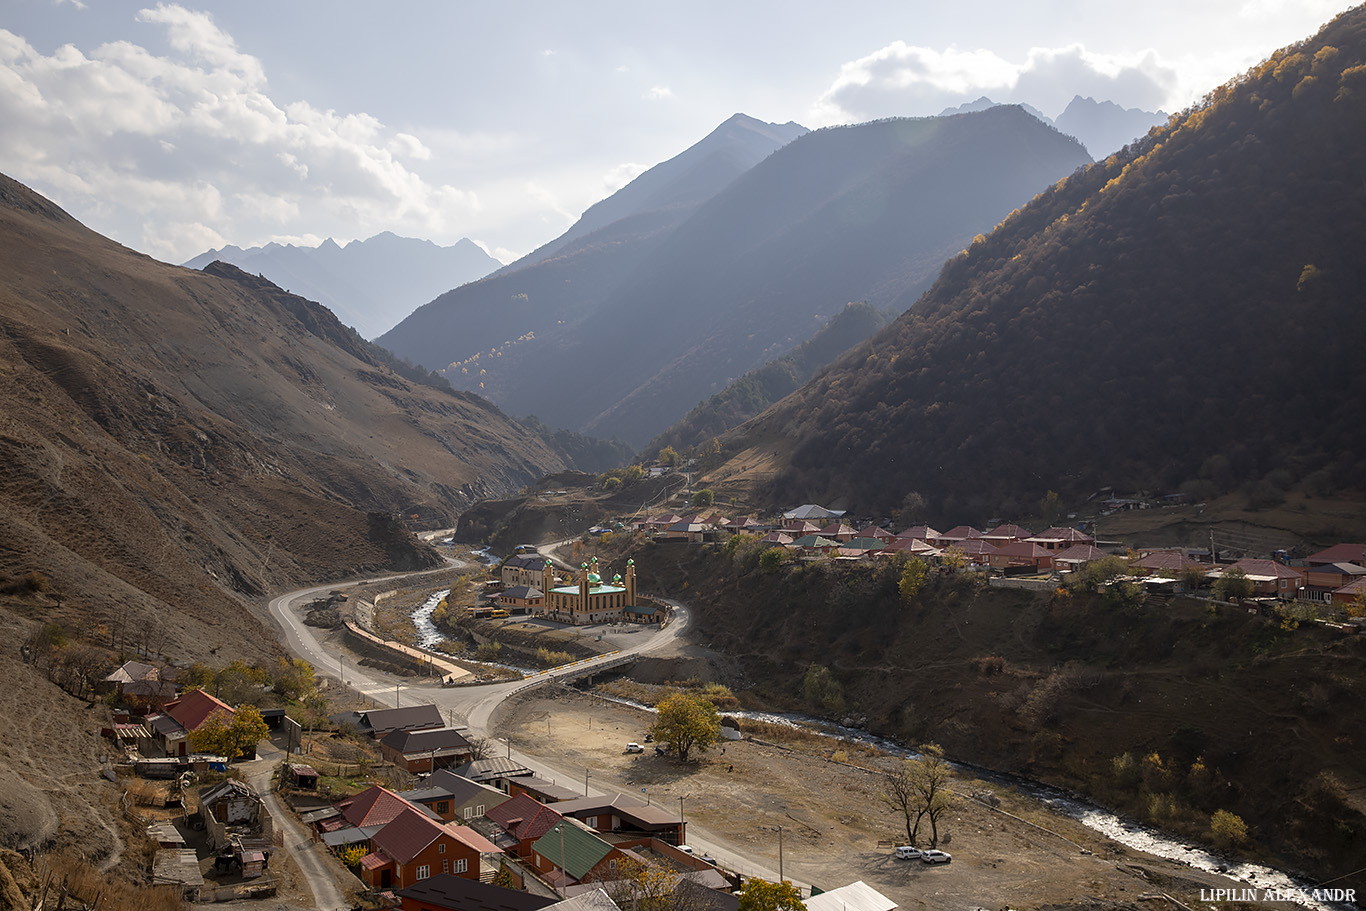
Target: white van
column 906, row 852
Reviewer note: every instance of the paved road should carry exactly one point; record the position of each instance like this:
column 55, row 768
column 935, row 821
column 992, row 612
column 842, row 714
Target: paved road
column 476, row 704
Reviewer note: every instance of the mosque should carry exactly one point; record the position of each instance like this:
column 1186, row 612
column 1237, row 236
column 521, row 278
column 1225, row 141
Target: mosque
column 593, row 601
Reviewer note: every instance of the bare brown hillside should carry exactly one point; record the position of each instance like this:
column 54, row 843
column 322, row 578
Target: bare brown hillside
column 174, row 445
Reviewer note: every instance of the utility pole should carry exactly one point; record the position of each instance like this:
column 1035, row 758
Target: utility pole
column 585, row 782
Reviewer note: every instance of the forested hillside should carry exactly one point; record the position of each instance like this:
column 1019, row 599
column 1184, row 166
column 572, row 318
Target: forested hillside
column 1186, row 314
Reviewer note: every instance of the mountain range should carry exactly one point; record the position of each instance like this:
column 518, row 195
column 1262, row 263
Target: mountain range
column 369, row 284
column 623, row 330
column 1102, row 127
column 1185, row 315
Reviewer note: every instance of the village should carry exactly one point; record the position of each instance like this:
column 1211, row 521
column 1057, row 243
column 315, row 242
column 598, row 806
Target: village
column 434, row 818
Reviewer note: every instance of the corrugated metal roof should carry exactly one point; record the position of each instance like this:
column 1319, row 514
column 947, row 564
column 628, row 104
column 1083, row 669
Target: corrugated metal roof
column 580, row 848
column 857, row 896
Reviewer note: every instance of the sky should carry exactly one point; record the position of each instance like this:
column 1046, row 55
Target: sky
column 179, row 127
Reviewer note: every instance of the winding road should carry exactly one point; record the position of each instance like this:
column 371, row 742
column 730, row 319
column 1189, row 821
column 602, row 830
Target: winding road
column 475, row 704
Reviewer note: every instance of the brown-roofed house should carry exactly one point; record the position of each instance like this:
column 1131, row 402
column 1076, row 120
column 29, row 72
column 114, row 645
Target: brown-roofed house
column 426, row 750
column 381, row 722
column 524, row 819
column 412, row 847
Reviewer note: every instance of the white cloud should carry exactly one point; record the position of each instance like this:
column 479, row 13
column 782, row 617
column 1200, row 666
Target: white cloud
column 659, row 93
column 621, row 175
column 177, row 138
column 904, row 80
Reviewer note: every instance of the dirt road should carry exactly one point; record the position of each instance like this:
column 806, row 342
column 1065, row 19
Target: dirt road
column 833, row 819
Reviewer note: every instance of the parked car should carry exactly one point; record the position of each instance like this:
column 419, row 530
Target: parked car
column 634, row 747
column 907, row 852
column 935, row 857
column 708, row 859
column 686, row 849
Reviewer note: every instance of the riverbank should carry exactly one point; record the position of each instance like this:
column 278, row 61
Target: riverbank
column 1022, row 855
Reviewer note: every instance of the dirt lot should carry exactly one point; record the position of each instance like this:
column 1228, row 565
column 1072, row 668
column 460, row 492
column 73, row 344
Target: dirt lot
column 833, row 819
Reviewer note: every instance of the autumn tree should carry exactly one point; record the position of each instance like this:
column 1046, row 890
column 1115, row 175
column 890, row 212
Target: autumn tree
column 913, row 577
column 230, row 735
column 668, row 457
column 1233, row 585
column 918, row 790
column 293, row 679
column 686, row 723
column 822, row 689
column 762, row 895
column 1227, row 829
column 641, row 886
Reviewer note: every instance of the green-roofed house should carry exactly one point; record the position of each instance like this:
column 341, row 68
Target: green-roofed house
column 815, row 545
column 590, row 599
column 570, row 853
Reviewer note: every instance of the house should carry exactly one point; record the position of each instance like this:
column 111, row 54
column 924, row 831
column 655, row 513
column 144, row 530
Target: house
column 537, row 788
column 1020, row 553
column 573, row 853
column 1167, row 563
column 626, row 814
column 448, row 892
column 129, row 672
column 1006, row 534
column 1349, row 593
column 464, row 799
column 375, row 806
column 525, row 820
column 232, row 808
column 1268, row 578
column 866, row 545
column 838, row 531
column 382, row 722
column 876, row 531
column 799, row 527
column 412, row 847
column 974, row 550
column 913, row 546
column 1338, row 553
column 813, row 513
column 857, row 896
column 812, row 546
column 1060, row 538
column 1322, row 579
column 957, row 535
column 426, row 750
column 180, row 717
column 522, row 569
column 921, row 533
column 777, row 539
column 497, row 772
column 1074, row 557
column 522, row 599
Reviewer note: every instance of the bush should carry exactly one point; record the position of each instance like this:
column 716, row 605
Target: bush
column 1226, row 829
column 772, row 560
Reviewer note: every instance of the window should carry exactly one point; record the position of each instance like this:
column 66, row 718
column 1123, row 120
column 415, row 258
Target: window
column 479, row 810
column 443, row 807
column 592, row 822
column 469, row 813
column 424, row 871
column 441, row 848
column 461, row 865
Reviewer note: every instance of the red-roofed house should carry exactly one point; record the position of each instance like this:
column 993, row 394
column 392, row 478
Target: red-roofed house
column 838, row 531
column 182, row 716
column 875, row 531
column 1166, row 563
column 1060, row 538
column 525, row 819
column 1267, row 577
column 958, row 534
column 1075, row 557
column 921, row 533
column 1349, row 592
column 412, row 846
column 1006, row 534
column 375, row 806
column 975, row 550
column 1020, row 553
column 1339, row 553
column 1321, row 580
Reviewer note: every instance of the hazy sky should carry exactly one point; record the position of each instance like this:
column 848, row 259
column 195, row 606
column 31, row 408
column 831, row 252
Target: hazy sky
column 176, row 127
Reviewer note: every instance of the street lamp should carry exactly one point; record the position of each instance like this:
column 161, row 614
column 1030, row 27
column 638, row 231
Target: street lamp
column 563, row 873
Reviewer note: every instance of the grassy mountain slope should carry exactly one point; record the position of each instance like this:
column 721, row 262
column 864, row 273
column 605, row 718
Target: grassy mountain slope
column 178, row 442
column 1188, row 311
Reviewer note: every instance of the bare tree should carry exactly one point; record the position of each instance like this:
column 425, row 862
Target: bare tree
column 918, row 790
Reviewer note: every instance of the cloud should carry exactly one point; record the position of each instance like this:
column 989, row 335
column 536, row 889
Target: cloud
column 621, row 175
column 659, row 93
column 178, row 140
column 904, row 80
